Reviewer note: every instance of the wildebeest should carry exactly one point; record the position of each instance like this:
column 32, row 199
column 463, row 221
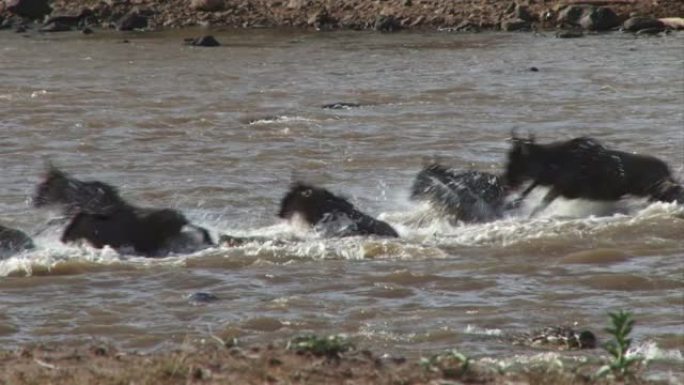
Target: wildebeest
column 13, row 241
column 467, row 196
column 329, row 214
column 583, row 168
column 101, row 217
column 74, row 196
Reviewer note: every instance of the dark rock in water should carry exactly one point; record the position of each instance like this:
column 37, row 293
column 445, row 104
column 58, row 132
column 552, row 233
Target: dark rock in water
column 386, row 23
column 599, row 19
column 132, row 21
column 14, row 241
column 569, row 34
column 467, row 26
column 29, row 9
column 340, row 106
column 468, row 196
column 21, row 28
column 534, row 69
column 635, row 24
column 87, row 31
column 78, row 21
column 55, row 26
column 329, row 214
column 650, row 31
column 512, row 25
column 202, row 297
column 204, row 41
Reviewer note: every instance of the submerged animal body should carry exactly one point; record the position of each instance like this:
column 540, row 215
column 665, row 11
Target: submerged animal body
column 13, row 241
column 584, row 168
column 329, row 214
column 467, row 196
column 101, row 217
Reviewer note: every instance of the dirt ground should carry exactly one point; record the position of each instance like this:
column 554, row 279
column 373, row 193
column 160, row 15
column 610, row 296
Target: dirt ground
column 213, row 362
column 350, row 14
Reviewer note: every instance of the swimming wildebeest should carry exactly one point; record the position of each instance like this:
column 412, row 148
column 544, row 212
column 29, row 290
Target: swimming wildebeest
column 101, row 217
column 329, row 214
column 13, row 241
column 468, row 196
column 583, row 168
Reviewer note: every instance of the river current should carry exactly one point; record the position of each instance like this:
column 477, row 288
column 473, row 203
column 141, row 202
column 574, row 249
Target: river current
column 221, row 133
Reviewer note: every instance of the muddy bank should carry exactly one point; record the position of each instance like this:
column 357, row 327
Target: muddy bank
column 387, row 15
column 214, row 362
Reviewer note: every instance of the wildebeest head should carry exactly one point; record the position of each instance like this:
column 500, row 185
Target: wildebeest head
column 519, row 167
column 58, row 188
column 52, row 190
column 312, row 203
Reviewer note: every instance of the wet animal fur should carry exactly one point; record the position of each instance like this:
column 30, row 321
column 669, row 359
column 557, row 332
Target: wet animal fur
column 468, row 196
column 584, row 168
column 101, row 217
column 334, row 215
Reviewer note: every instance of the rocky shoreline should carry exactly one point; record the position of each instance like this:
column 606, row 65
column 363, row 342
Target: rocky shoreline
column 381, row 15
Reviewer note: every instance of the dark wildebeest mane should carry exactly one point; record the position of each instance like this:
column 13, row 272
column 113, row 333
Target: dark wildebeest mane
column 100, row 216
column 583, row 168
column 468, row 196
column 322, row 209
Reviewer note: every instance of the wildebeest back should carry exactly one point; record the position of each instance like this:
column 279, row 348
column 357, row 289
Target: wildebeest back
column 330, row 214
column 462, row 195
column 14, row 241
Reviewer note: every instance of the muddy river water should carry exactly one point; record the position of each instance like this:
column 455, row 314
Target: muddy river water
column 221, row 133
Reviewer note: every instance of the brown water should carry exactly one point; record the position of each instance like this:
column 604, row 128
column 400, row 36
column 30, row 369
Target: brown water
column 220, row 133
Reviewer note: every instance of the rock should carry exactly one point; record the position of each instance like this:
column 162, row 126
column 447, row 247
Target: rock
column 202, row 297
column 522, row 12
column 599, row 19
column 515, row 25
column 207, row 5
column 572, row 14
column 588, row 17
column 29, row 9
column 55, row 26
column 203, row 41
column 20, row 28
column 673, row 22
column 322, row 20
column 386, row 23
column 534, row 69
column 634, row 24
column 131, row 21
column 650, row 31
column 467, row 26
column 569, row 34
column 87, row 31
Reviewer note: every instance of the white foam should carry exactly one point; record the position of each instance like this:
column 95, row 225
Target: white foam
column 280, row 119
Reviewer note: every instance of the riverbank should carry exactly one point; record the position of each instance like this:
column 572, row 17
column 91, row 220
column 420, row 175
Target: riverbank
column 387, row 15
column 212, row 361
